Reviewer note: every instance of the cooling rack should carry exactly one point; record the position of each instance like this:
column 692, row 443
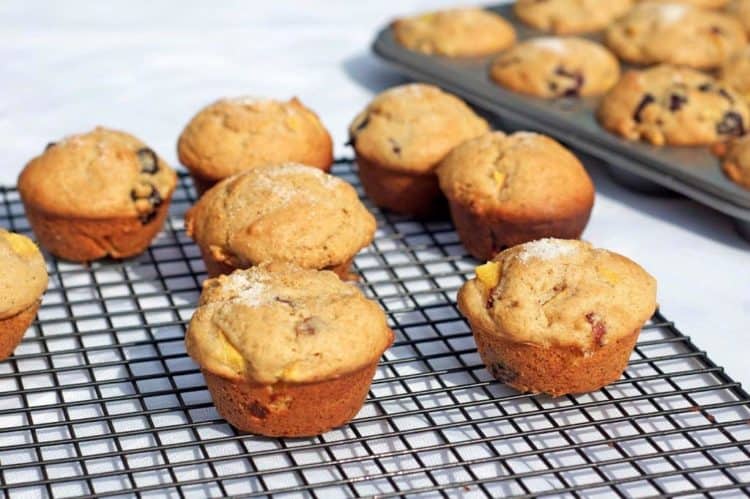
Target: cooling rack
column 101, row 400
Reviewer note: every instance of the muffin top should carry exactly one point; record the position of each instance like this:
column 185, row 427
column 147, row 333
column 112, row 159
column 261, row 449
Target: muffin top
column 525, row 176
column 410, row 128
column 552, row 67
column 675, row 33
column 736, row 160
column 281, row 323
column 100, row 174
column 563, row 293
column 24, row 274
column 735, row 72
column 290, row 212
column 233, row 135
column 463, row 32
column 566, row 17
column 668, row 105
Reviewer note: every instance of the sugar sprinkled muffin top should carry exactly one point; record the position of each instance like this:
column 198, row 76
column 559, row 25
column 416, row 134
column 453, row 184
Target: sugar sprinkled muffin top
column 23, row 273
column 289, row 212
column 560, row 293
column 281, row 323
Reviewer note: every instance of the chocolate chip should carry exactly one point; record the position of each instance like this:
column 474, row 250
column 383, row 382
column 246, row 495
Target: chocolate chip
column 155, row 198
column 257, row 410
column 598, row 328
column 723, row 92
column 50, row 144
column 645, row 101
column 147, row 218
column 148, row 160
column 502, row 373
column 578, row 81
column 676, row 102
column 731, row 124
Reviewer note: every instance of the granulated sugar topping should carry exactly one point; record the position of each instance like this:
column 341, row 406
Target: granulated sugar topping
column 546, row 249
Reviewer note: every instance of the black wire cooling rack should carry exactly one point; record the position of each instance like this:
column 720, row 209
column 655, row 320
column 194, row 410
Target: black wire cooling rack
column 101, row 400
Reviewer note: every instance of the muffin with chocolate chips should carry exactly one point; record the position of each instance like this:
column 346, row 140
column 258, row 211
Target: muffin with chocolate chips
column 289, row 213
column 551, row 67
column 505, row 190
column 399, row 139
column 23, row 280
column 557, row 316
column 236, row 134
column 99, row 194
column 674, row 106
column 286, row 351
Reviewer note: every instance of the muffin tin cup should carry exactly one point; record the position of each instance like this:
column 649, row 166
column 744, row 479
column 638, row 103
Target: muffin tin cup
column 691, row 171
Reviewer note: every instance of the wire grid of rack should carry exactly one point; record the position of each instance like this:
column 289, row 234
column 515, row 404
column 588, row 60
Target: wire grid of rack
column 101, row 400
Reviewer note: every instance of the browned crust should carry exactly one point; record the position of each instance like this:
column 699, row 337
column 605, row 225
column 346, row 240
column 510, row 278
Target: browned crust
column 290, row 410
column 402, row 192
column 554, row 370
column 87, row 239
column 484, row 236
column 216, row 268
column 13, row 328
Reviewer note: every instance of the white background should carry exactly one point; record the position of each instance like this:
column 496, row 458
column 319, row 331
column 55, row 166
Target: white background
column 146, row 67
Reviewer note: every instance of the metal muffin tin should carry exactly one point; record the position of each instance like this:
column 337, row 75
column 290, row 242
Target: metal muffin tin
column 692, row 171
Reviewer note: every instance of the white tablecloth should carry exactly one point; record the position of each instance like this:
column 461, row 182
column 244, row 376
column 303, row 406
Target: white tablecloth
column 146, row 67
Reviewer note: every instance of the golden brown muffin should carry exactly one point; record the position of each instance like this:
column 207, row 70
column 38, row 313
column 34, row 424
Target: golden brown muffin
column 286, row 351
column 551, row 67
column 23, row 280
column 675, row 106
column 568, row 17
column 735, row 155
column 735, row 73
column 675, row 33
column 740, row 9
column 289, row 213
column 96, row 195
column 557, row 316
column 399, row 139
column 465, row 32
column 505, row 190
column 234, row 135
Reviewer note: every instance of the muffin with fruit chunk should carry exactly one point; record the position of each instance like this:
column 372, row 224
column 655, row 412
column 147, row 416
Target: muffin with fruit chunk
column 99, row 194
column 557, row 316
column 23, row 280
column 567, row 17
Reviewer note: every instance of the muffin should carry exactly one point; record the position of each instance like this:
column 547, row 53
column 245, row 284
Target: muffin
column 233, row 135
column 286, row 351
column 505, row 190
column 735, row 73
column 675, row 106
column 551, row 67
column 22, row 283
column 286, row 213
column 740, row 9
column 735, row 156
column 567, row 17
column 556, row 316
column 401, row 137
column 465, row 32
column 675, row 33
column 99, row 194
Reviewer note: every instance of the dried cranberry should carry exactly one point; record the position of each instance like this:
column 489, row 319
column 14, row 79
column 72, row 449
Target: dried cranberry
column 676, row 102
column 598, row 328
column 257, row 410
column 731, row 124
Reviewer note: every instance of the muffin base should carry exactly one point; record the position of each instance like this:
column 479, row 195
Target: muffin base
column 88, row 239
column 401, row 192
column 216, row 268
column 290, row 410
column 484, row 236
column 554, row 370
column 13, row 328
